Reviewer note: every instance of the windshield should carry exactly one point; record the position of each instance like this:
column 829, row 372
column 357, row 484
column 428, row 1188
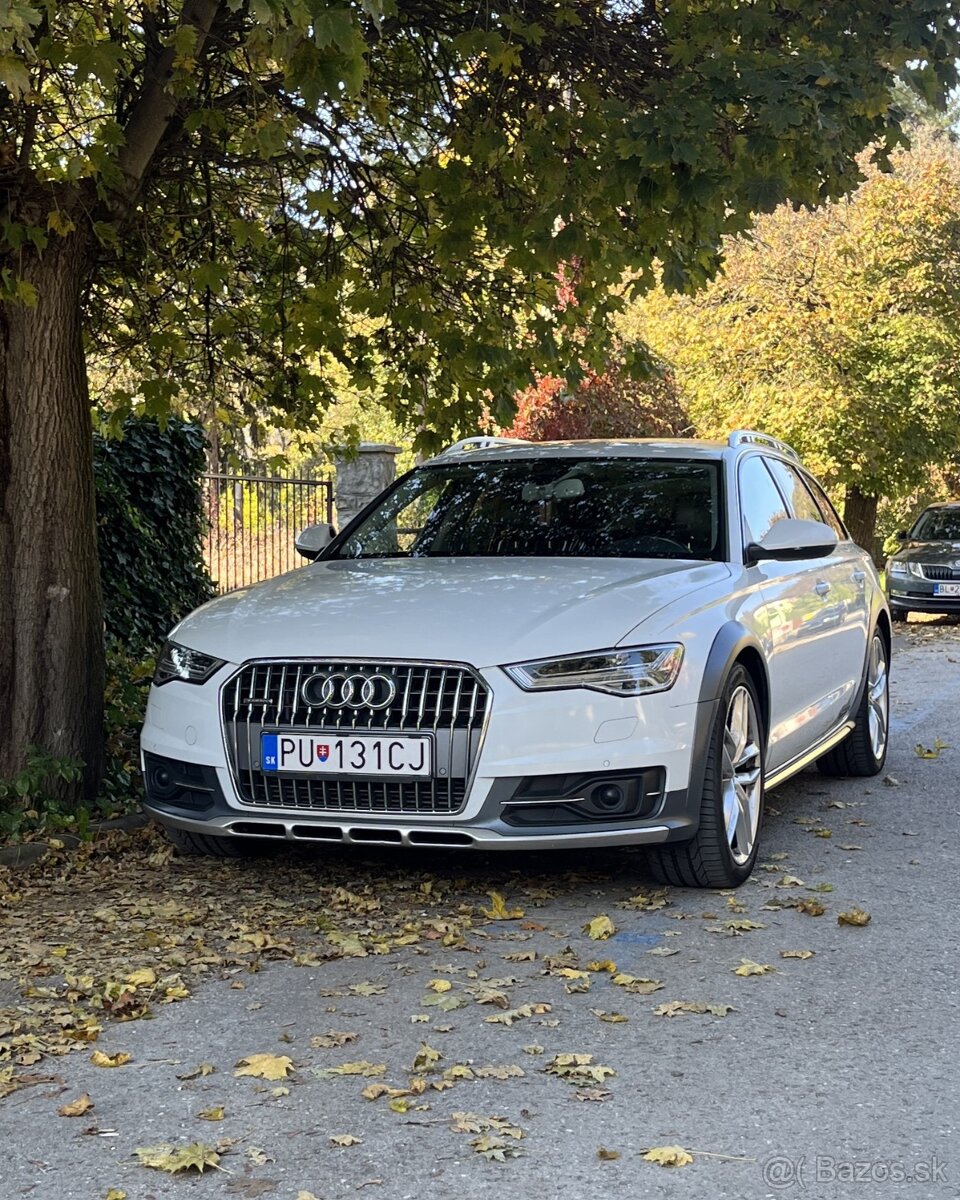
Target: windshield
column 938, row 525
column 548, row 508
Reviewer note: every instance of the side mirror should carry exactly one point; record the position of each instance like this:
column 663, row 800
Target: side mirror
column 793, row 539
column 902, row 535
column 312, row 541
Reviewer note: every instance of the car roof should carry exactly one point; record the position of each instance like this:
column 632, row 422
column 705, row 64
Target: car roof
column 943, row 504
column 592, row 448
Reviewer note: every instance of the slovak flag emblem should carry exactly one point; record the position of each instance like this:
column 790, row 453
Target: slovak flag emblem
column 323, row 752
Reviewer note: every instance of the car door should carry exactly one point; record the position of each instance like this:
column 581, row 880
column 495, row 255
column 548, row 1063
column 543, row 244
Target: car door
column 798, row 616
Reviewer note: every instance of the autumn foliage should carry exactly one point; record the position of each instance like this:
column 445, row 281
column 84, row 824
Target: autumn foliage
column 610, row 405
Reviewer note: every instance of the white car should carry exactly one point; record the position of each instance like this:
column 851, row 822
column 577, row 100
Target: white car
column 531, row 646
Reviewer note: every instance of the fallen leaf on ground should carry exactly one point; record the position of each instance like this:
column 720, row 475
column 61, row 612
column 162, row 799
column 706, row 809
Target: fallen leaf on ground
column 636, row 984
column 336, row 1037
column 204, row 1068
column 426, row 1058
column 212, row 1114
column 367, row 989
column 673, row 1008
column 497, row 1149
column 498, row 910
column 606, row 1155
column 508, row 1016
column 265, row 1066
column 933, row 751
column 612, row 1018
column 595, row 1094
column 440, row 985
column 578, row 1068
column 668, row 1156
column 99, row 1059
column 507, row 1072
column 345, row 1139
column 173, row 1159
column 855, row 916
column 796, row 954
column 748, row 967
column 600, row 928
column 362, row 1067
column 76, row 1108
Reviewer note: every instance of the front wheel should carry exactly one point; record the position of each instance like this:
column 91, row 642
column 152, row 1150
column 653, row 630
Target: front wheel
column 864, row 750
column 724, row 850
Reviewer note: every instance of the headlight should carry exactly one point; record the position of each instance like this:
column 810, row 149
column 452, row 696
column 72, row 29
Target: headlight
column 636, row 671
column 189, row 666
column 897, row 568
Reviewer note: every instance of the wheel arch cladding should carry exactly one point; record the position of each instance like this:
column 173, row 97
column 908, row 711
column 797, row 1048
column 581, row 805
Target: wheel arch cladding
column 735, row 643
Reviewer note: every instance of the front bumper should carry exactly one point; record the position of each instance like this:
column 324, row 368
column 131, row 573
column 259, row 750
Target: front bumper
column 539, row 755
column 916, row 595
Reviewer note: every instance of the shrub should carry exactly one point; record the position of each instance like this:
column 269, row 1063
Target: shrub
column 151, row 523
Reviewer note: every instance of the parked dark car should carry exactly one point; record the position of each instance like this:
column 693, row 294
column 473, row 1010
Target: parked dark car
column 924, row 574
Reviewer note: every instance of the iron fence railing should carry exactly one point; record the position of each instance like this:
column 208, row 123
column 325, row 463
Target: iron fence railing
column 252, row 521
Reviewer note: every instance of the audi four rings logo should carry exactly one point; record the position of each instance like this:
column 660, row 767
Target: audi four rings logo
column 349, row 691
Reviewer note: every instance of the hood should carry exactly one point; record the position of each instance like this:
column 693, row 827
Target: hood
column 947, row 553
column 485, row 611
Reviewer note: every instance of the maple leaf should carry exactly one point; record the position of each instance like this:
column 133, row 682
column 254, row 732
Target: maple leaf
column 99, row 1059
column 145, row 977
column 336, row 1037
column 748, row 967
column 612, row 1018
column 600, row 928
column 498, row 910
column 426, row 1058
column 265, row 1066
column 578, row 1068
column 508, row 1072
column 856, row 916
column 440, row 985
column 76, row 1108
column 497, row 1149
column 668, row 1156
column 362, row 1067
column 517, row 1014
column 212, row 1114
column 195, row 1157
column 204, row 1068
column 367, row 989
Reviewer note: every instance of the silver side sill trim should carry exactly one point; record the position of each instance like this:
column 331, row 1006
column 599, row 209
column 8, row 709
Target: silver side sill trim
column 781, row 774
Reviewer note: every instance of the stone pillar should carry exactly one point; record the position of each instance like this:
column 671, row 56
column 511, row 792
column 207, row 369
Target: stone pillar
column 361, row 476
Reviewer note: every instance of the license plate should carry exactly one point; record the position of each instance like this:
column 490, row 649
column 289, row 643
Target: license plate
column 946, row 589
column 345, row 754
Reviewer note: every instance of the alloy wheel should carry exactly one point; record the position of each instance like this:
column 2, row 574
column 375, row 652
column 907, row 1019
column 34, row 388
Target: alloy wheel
column 878, row 696
column 741, row 775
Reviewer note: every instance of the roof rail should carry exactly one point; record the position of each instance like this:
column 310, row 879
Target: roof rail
column 481, row 443
column 743, row 437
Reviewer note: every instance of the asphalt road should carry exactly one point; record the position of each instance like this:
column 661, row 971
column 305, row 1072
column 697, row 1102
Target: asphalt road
column 833, row 1075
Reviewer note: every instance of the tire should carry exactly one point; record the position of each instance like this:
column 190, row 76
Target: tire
column 864, row 750
column 712, row 859
column 211, row 846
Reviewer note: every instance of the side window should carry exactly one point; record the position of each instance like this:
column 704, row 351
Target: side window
column 761, row 505
column 802, row 504
column 828, row 512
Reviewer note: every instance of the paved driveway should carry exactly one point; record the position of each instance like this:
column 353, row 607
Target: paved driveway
column 831, row 1072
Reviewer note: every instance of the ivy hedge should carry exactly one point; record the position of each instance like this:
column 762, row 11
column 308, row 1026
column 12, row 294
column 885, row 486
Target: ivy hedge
column 151, row 521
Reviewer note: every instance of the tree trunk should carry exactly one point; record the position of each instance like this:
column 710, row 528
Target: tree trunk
column 51, row 627
column 860, row 517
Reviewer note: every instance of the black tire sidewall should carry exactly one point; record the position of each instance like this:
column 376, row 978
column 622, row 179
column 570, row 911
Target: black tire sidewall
column 711, row 806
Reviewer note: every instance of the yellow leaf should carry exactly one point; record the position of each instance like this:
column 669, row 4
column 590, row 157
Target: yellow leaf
column 265, row 1066
column 99, row 1059
column 747, row 967
column 498, row 910
column 796, row 954
column 115, row 1194
column 856, row 916
column 76, row 1108
column 211, row 1114
column 425, row 1058
column 205, row 1068
column 58, row 222
column 336, row 1037
column 440, row 985
column 605, row 965
column 600, row 928
column 142, row 978
column 345, row 1139
column 668, row 1156
column 195, row 1157
column 371, row 1070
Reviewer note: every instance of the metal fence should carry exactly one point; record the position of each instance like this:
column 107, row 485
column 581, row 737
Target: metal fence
column 253, row 520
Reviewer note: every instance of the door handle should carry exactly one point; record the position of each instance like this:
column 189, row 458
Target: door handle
column 859, row 577
column 822, row 587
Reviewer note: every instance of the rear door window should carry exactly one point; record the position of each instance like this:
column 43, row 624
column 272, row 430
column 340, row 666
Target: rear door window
column 761, row 505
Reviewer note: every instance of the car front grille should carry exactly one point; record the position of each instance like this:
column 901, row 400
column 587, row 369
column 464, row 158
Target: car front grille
column 448, row 702
column 939, row 571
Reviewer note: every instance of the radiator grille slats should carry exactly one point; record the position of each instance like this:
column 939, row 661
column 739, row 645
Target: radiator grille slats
column 940, row 571
column 449, row 702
